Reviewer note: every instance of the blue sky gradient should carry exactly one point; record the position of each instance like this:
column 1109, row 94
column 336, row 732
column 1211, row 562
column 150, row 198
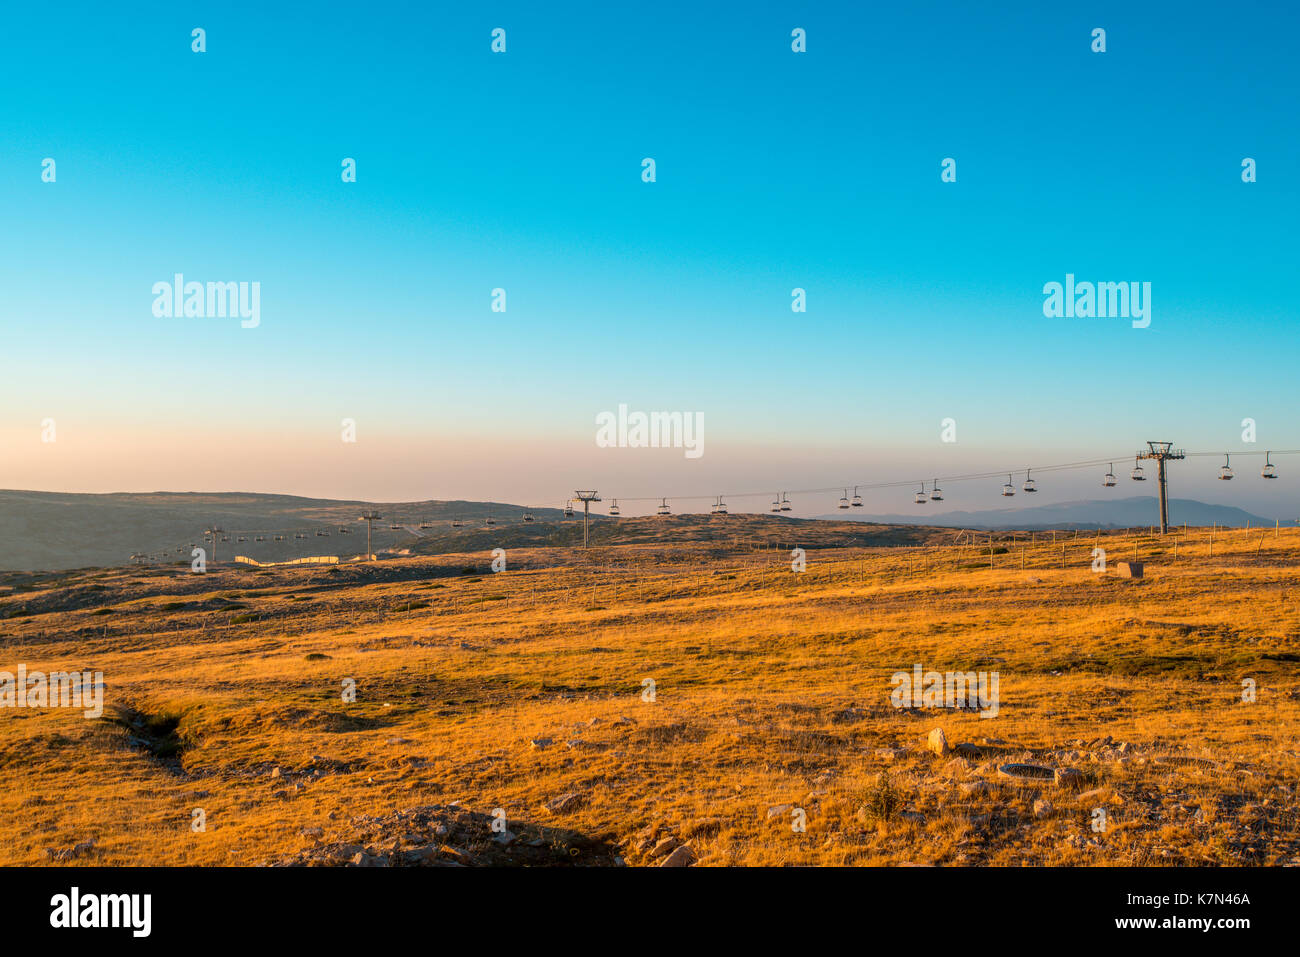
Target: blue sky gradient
column 775, row 170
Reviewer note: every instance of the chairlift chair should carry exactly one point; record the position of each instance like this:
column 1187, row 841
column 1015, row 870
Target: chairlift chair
column 722, row 506
column 1008, row 490
column 279, row 538
column 568, row 510
column 1268, row 471
column 241, row 538
column 613, row 509
column 921, row 498
column 1029, row 485
column 1109, row 480
column 785, row 503
column 844, row 499
column 663, row 509
column 776, row 504
column 490, row 521
column 936, row 493
column 1225, row 472
column 456, row 523
column 528, row 516
column 1136, row 475
column 857, row 499
column 260, row 538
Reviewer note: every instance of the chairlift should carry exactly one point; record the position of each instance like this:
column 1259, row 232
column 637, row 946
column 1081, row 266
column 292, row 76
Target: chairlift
column 260, row 538
column 936, row 493
column 1008, row 490
column 490, row 521
column 456, row 523
column 428, row 524
column 568, row 509
column 225, row 538
column 613, row 509
column 241, row 538
column 395, row 527
column 299, row 535
column 663, row 509
column 325, row 533
column 1109, row 480
column 279, row 538
column 857, row 499
column 921, row 498
column 1136, row 475
column 1268, row 471
column 344, row 531
column 528, row 516
column 1225, row 472
column 776, row 504
column 785, row 503
column 844, row 499
column 721, row 507
column 1029, row 485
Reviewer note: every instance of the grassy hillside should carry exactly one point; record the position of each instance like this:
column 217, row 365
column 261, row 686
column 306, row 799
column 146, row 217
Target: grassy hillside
column 523, row 691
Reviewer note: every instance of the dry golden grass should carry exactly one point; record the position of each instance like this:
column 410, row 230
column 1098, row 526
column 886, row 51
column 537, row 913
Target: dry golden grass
column 772, row 688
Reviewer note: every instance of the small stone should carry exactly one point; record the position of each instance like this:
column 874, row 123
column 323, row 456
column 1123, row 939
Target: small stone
column 1043, row 808
column 682, row 857
column 540, row 743
column 315, row 832
column 504, row 838
column 664, row 847
column 779, row 810
column 938, row 742
column 1069, row 778
column 565, row 802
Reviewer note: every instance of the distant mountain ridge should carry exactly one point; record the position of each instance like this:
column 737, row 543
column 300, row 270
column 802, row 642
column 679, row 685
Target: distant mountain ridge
column 1089, row 513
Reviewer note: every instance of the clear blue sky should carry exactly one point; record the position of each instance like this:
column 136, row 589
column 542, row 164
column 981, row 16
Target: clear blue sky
column 522, row 171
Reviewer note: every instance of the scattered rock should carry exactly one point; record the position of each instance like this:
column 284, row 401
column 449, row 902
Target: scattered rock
column 540, row 743
column 1043, row 808
column 682, row 857
column 664, row 847
column 1069, row 778
column 938, row 742
column 779, row 810
column 566, row 802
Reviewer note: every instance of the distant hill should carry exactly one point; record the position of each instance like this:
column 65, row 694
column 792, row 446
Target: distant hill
column 1105, row 513
column 54, row 530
